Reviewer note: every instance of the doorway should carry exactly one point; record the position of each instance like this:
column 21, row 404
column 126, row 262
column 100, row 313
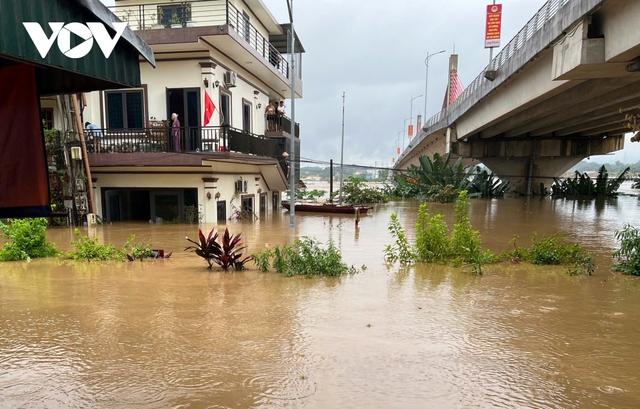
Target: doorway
column 246, row 116
column 221, row 208
column 113, row 206
column 247, row 204
column 186, row 103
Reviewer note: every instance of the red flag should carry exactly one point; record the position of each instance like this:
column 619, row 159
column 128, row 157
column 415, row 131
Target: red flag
column 209, row 108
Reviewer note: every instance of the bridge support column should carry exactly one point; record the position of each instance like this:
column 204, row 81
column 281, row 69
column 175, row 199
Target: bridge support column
column 518, row 159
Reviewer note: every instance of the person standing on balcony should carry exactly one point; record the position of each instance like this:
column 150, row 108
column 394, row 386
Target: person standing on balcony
column 281, row 113
column 94, row 132
column 270, row 113
column 175, row 132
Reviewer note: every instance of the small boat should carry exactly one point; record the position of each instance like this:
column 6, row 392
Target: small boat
column 327, row 208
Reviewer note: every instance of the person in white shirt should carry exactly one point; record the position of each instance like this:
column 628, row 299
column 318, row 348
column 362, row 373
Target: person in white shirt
column 281, row 113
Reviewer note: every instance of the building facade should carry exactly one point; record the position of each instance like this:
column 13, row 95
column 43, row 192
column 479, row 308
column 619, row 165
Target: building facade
column 218, row 65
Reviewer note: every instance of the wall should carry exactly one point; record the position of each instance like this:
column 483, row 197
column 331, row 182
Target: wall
column 225, row 185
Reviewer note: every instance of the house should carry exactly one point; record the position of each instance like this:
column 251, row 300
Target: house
column 28, row 74
column 233, row 52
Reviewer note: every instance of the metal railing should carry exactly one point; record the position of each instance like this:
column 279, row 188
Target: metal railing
column 537, row 22
column 280, row 123
column 183, row 139
column 201, row 13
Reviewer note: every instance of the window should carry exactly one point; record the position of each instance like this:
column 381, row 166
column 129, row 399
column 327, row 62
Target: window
column 171, row 13
column 124, row 109
column 246, row 116
column 225, row 107
column 47, row 118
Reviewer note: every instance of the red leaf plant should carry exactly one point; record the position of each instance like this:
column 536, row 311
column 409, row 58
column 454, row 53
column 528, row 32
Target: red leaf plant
column 225, row 254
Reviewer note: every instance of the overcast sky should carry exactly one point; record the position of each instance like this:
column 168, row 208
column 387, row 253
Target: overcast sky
column 374, row 51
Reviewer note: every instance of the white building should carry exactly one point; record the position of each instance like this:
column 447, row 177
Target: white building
column 235, row 52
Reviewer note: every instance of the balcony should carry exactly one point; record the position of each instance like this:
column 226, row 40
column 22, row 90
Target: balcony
column 208, row 19
column 209, row 141
column 280, row 125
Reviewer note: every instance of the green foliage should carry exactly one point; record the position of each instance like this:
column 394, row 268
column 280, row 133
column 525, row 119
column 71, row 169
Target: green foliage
column 432, row 237
column 356, row 191
column 438, row 180
column 583, row 185
column 401, row 250
column 464, row 240
column 554, row 250
column 89, row 249
column 226, row 254
column 27, row 239
column 305, row 257
column 192, row 215
column 628, row 255
column 135, row 251
column 261, row 260
column 433, row 243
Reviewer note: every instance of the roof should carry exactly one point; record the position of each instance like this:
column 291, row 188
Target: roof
column 279, row 41
column 57, row 73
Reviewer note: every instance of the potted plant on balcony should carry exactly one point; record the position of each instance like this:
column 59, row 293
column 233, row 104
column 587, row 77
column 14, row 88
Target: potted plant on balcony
column 157, row 19
column 175, row 21
column 190, row 22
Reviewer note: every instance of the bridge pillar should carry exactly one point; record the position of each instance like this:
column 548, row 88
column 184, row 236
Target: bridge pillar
column 520, row 160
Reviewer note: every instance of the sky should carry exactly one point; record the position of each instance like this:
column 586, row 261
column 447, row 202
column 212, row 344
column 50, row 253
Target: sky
column 374, row 51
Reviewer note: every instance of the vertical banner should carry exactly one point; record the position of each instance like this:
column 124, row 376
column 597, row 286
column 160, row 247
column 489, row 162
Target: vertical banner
column 410, row 130
column 494, row 26
column 24, row 183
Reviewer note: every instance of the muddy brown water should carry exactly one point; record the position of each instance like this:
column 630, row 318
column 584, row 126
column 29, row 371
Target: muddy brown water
column 170, row 334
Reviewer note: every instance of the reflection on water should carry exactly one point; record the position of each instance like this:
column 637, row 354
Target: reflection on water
column 171, row 334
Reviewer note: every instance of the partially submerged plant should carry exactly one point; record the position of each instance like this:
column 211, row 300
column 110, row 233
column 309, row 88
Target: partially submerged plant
column 226, row 254
column 26, row 239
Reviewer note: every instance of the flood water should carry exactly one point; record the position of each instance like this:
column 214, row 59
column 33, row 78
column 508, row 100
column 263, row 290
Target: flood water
column 171, row 334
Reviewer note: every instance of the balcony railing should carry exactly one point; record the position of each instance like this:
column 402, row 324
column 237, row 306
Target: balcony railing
column 189, row 139
column 198, row 13
column 280, row 123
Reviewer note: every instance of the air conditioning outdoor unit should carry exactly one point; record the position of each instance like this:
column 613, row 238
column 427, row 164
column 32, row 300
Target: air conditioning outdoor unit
column 230, row 78
column 239, row 186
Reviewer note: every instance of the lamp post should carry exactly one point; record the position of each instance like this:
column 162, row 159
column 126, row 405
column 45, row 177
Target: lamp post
column 411, row 112
column 426, row 81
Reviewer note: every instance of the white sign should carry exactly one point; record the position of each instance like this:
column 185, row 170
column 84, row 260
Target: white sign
column 63, row 32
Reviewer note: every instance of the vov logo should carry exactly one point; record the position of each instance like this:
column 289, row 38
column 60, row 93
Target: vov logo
column 63, row 32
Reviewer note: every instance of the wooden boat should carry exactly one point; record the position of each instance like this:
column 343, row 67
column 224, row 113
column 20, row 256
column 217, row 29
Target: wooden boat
column 327, row 208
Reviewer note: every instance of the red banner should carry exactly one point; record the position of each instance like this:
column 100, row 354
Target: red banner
column 410, row 131
column 494, row 26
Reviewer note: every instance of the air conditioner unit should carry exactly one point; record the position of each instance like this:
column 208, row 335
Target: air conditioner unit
column 239, row 186
column 230, row 78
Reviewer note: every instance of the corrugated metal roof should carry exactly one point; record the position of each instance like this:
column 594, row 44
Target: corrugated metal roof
column 58, row 73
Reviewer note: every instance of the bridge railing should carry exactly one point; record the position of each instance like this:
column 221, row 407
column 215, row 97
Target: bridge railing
column 537, row 22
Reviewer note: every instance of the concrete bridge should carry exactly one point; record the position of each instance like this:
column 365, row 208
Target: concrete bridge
column 556, row 94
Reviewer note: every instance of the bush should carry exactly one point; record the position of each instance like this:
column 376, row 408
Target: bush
column 89, row 249
column 554, row 250
column 401, row 250
column 628, row 255
column 305, row 257
column 27, row 239
column 432, row 237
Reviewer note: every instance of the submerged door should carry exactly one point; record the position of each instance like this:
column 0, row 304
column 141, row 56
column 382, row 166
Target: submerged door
column 113, row 206
column 167, row 205
column 221, row 208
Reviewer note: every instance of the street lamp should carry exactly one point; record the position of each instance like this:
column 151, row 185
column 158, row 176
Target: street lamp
column 411, row 112
column 426, row 81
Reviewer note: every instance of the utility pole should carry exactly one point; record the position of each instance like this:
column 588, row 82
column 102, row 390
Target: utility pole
column 292, row 169
column 342, row 150
column 426, row 81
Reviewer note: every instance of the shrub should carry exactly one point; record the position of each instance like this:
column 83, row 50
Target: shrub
column 465, row 242
column 225, row 254
column 628, row 255
column 400, row 251
column 27, row 239
column 89, row 249
column 432, row 237
column 305, row 257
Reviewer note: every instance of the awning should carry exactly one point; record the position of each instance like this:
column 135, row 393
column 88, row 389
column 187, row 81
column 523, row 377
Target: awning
column 57, row 73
